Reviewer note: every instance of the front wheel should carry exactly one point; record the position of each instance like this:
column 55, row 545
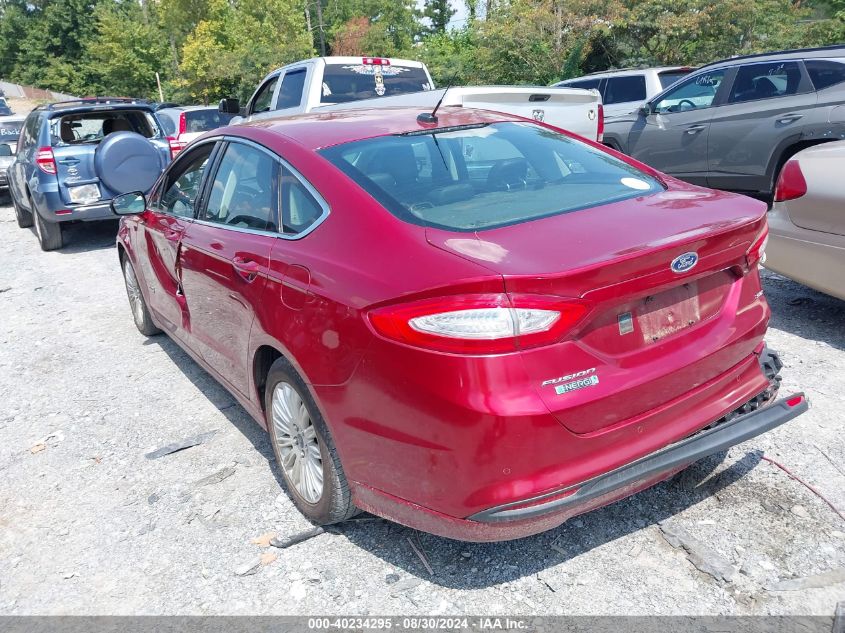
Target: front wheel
column 140, row 313
column 304, row 449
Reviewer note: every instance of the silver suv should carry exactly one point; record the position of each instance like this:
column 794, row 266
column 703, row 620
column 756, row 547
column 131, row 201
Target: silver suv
column 733, row 124
column 623, row 91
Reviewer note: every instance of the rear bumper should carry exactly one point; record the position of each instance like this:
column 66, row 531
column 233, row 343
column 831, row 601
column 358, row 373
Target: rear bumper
column 719, row 437
column 532, row 516
column 55, row 209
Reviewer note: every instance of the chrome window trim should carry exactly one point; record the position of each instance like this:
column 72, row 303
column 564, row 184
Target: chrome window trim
column 163, row 180
column 296, row 173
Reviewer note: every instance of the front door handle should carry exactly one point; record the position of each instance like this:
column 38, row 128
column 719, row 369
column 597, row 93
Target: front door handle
column 695, row 129
column 789, row 118
column 246, row 268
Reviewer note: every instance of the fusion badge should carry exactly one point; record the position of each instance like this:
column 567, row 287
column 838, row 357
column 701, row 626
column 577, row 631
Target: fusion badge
column 577, row 384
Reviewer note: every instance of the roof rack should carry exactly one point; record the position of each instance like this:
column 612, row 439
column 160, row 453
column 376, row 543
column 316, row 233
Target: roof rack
column 790, row 51
column 73, row 103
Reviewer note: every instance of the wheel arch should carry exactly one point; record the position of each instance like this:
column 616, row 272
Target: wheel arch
column 789, row 149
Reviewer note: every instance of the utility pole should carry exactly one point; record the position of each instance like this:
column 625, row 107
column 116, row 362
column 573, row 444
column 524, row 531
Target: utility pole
column 321, row 27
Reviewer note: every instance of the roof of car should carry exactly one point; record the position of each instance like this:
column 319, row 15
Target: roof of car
column 317, row 130
column 821, row 51
column 189, row 108
column 90, row 104
column 633, row 70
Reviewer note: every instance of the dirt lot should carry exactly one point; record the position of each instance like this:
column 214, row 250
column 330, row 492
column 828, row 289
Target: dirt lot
column 88, row 525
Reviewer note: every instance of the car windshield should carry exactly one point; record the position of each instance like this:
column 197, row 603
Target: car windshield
column 485, row 176
column 349, row 82
column 204, row 120
column 92, row 127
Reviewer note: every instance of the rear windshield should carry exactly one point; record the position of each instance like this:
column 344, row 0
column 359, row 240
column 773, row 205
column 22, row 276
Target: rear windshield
column 92, row 127
column 10, row 131
column 205, row 120
column 350, row 82
column 668, row 77
column 486, row 176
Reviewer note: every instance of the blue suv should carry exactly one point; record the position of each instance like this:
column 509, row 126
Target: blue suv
column 73, row 157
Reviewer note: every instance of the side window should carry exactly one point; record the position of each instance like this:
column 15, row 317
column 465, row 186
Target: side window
column 764, row 81
column 825, row 72
column 168, row 124
column 624, row 89
column 262, row 100
column 300, row 209
column 244, row 190
column 183, row 183
column 30, row 131
column 586, row 84
column 290, row 94
column 694, row 93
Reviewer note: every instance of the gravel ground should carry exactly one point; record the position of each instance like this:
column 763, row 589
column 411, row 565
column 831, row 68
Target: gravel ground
column 88, row 525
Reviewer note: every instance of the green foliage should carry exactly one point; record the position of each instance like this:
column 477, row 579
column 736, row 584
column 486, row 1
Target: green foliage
column 207, row 49
column 439, row 12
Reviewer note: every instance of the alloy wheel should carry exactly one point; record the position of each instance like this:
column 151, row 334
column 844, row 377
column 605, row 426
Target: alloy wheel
column 296, row 440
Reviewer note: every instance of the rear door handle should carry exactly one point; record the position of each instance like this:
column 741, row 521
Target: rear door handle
column 246, row 268
column 789, row 118
column 695, row 129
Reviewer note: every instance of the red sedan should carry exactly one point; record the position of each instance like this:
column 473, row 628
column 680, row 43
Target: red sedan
column 476, row 325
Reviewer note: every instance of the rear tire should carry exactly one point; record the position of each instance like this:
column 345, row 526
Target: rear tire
column 49, row 233
column 302, row 444
column 23, row 217
column 140, row 313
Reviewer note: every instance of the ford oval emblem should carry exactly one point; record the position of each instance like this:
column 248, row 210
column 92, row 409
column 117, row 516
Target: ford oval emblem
column 685, row 262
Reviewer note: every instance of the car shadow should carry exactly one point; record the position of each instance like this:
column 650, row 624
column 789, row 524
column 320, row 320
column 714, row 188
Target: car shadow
column 82, row 237
column 218, row 396
column 463, row 565
column 804, row 312
column 460, row 565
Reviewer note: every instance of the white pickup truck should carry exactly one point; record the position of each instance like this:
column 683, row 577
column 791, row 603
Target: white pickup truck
column 332, row 83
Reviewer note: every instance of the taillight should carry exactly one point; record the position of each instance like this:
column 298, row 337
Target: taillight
column 479, row 324
column 183, row 123
column 45, row 160
column 600, row 132
column 176, row 146
column 375, row 61
column 791, row 183
column 757, row 253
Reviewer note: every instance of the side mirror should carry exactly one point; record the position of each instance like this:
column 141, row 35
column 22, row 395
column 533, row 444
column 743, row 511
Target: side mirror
column 6, row 150
column 129, row 203
column 645, row 109
column 229, row 106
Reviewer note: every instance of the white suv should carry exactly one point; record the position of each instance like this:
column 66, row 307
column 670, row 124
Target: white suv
column 623, row 91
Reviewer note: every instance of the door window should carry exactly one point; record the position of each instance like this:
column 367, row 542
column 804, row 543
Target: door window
column 300, row 208
column 694, row 93
column 290, row 94
column 624, row 89
column 183, row 183
column 244, row 190
column 264, row 97
column 764, row 81
column 825, row 72
column 586, row 84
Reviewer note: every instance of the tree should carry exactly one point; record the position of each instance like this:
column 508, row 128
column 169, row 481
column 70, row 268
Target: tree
column 439, row 12
column 127, row 50
column 228, row 53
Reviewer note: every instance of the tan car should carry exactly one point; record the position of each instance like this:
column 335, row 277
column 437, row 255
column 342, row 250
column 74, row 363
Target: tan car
column 807, row 220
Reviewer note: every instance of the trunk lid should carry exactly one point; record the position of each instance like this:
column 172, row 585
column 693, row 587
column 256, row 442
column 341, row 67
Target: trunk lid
column 652, row 333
